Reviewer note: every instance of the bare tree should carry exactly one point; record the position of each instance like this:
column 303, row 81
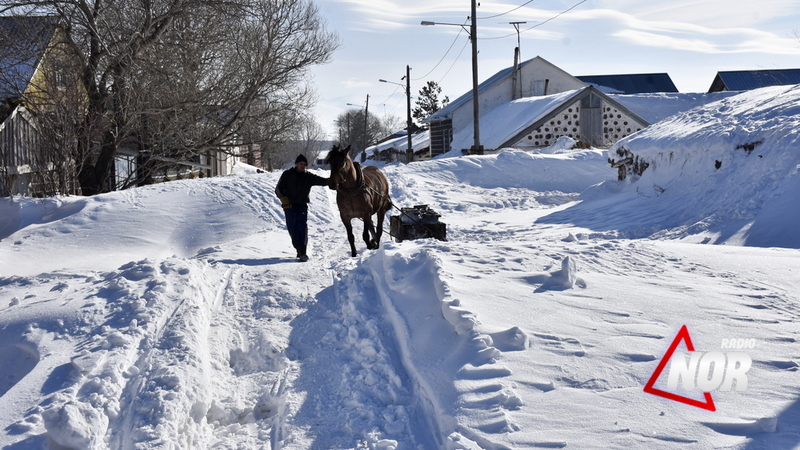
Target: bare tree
column 351, row 129
column 174, row 79
column 311, row 139
column 392, row 123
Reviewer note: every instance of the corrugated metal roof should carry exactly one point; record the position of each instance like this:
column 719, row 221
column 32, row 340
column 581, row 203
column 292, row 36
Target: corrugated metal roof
column 744, row 80
column 23, row 41
column 643, row 83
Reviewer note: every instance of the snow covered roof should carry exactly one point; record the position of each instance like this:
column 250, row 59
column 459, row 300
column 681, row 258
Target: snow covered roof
column 658, row 106
column 506, row 123
column 448, row 110
column 419, row 141
column 509, row 119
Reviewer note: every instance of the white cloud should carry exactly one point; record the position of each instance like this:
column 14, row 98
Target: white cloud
column 351, row 83
column 678, row 35
column 400, row 11
column 664, row 41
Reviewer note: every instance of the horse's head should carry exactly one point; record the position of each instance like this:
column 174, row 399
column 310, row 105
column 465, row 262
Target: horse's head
column 340, row 163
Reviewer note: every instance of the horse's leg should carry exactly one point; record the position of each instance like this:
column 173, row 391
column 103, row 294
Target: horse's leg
column 369, row 231
column 350, row 237
column 379, row 226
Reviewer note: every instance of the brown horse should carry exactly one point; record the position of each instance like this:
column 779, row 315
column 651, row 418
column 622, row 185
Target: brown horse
column 360, row 193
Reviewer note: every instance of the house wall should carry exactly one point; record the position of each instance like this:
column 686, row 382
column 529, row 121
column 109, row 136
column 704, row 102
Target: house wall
column 565, row 122
column 536, row 73
column 441, row 137
column 18, row 142
column 56, row 78
column 29, row 165
column 617, row 124
column 589, row 120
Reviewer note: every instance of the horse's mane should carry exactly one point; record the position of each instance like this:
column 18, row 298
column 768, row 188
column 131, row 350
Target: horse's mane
column 336, row 151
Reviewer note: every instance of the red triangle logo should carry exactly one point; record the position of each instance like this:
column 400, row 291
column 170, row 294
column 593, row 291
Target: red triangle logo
column 683, row 335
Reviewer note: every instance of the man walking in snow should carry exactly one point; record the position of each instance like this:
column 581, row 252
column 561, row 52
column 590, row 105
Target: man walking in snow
column 293, row 188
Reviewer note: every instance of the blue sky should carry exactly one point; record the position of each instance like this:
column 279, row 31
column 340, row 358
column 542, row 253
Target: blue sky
column 688, row 39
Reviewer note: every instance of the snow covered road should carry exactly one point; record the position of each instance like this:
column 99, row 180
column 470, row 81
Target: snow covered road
column 175, row 316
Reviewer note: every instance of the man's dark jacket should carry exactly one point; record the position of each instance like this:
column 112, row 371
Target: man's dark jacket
column 297, row 185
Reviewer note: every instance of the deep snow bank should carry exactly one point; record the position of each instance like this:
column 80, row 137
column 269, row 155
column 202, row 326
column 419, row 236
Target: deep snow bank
column 176, row 218
column 570, row 171
column 725, row 172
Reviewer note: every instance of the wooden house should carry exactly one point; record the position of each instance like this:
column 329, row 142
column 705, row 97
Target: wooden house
column 395, row 147
column 29, row 73
column 39, row 79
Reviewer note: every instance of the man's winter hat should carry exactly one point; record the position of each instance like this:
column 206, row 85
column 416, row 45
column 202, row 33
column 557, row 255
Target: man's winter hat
column 301, row 158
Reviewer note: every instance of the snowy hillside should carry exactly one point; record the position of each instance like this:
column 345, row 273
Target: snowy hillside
column 736, row 159
column 175, row 316
column 655, row 107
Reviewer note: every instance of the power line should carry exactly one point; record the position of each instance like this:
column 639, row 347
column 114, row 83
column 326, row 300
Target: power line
column 389, row 97
column 454, row 62
column 538, row 24
column 443, row 56
column 507, row 12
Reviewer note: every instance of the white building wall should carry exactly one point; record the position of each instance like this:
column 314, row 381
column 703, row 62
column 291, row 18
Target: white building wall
column 565, row 123
column 540, row 72
column 616, row 125
column 537, row 71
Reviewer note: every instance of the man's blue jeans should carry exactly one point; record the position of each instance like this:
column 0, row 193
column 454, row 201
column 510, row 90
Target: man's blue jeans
column 296, row 218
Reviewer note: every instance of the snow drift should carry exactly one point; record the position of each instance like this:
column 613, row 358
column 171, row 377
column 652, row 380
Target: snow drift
column 736, row 159
column 175, row 316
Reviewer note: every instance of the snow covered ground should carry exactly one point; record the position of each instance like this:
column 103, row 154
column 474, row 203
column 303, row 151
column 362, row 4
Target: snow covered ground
column 175, row 316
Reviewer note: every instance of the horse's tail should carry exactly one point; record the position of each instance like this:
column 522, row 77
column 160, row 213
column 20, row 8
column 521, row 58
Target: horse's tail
column 383, row 190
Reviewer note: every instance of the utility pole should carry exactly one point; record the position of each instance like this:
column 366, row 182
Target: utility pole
column 477, row 148
column 366, row 122
column 517, row 76
column 473, row 35
column 410, row 150
column 407, row 88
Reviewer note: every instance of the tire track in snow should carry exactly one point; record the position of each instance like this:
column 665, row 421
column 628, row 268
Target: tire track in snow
column 163, row 402
column 141, row 377
column 453, row 370
column 248, row 402
column 255, row 394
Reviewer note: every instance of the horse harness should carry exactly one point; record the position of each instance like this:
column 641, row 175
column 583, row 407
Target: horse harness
column 359, row 180
column 360, row 185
